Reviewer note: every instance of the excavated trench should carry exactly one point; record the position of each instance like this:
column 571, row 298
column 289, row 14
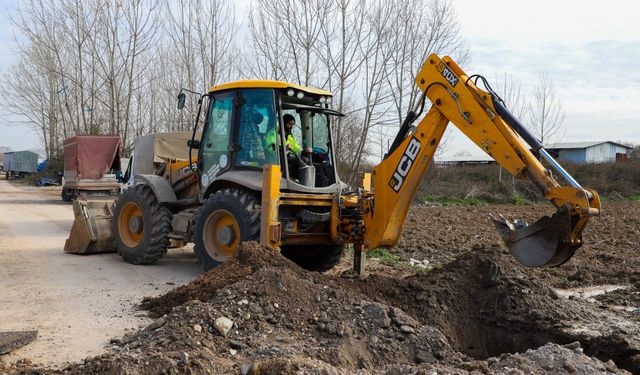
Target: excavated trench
column 487, row 306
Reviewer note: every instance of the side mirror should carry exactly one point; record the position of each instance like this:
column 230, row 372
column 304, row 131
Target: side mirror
column 181, row 99
column 193, row 144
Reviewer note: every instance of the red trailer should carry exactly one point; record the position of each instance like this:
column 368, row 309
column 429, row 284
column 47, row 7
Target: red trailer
column 90, row 165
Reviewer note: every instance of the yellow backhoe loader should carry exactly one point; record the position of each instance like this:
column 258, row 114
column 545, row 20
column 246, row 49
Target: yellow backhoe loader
column 252, row 184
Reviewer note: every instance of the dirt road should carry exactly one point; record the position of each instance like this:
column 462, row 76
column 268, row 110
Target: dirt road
column 77, row 303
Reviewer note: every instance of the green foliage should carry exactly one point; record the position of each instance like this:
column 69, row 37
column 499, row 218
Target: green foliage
column 384, row 256
column 516, row 199
column 635, row 198
column 453, row 201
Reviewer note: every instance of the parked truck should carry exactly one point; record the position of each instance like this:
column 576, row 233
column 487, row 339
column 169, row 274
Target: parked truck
column 90, row 165
column 20, row 163
column 156, row 156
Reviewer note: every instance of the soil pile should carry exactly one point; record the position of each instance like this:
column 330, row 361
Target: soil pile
column 261, row 314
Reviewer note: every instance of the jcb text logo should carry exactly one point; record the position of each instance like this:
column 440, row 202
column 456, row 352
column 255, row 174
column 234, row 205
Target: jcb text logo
column 406, row 162
column 448, row 74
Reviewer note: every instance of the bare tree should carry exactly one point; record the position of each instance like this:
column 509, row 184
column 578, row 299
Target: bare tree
column 198, row 52
column 285, row 39
column 342, row 35
column 375, row 90
column 634, row 153
column 419, row 30
column 90, row 62
column 546, row 114
column 126, row 36
column 511, row 93
column 108, row 66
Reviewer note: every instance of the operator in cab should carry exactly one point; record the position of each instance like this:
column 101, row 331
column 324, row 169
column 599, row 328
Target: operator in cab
column 297, row 157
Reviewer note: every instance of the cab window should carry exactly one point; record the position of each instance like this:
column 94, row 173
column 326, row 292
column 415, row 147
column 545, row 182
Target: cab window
column 257, row 132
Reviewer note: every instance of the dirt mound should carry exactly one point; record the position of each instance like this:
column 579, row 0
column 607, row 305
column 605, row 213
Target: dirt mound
column 261, row 314
column 249, row 258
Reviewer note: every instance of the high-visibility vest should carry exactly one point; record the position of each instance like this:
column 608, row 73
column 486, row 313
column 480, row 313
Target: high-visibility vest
column 293, row 144
column 272, row 137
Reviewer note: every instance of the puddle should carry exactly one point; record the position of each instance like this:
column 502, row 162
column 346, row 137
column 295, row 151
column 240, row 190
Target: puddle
column 588, row 293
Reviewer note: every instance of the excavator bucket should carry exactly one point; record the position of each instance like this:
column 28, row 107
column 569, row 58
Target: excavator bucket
column 547, row 242
column 91, row 230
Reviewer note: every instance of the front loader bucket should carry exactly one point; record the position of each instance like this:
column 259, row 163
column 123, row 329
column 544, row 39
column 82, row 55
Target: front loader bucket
column 91, row 230
column 547, row 242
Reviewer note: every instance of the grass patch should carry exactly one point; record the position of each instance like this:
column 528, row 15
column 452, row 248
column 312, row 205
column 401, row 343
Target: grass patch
column 384, row 256
column 635, row 198
column 452, row 201
column 521, row 201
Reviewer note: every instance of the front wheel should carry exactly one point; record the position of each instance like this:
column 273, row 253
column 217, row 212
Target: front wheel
column 225, row 219
column 140, row 226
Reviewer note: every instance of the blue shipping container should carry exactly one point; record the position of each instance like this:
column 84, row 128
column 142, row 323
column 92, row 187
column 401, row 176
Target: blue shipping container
column 20, row 161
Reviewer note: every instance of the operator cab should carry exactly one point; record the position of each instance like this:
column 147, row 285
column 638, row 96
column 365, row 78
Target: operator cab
column 244, row 130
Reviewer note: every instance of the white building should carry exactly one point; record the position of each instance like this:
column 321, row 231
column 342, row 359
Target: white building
column 589, row 152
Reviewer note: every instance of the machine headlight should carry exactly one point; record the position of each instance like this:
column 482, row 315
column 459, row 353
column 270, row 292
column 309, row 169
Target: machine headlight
column 323, row 99
column 300, row 95
column 328, row 100
column 290, row 92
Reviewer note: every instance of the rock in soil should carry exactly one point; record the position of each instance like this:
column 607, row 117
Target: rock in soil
column 15, row 339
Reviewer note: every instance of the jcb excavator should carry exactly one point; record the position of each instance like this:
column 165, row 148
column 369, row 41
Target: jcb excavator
column 248, row 188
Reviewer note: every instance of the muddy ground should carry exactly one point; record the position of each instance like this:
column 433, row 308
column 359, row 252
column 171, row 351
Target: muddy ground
column 465, row 306
column 610, row 254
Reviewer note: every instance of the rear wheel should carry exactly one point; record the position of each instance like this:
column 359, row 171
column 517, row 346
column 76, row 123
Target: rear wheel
column 140, row 226
column 314, row 257
column 225, row 219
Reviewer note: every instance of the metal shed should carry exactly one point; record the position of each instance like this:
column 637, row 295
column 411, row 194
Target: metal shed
column 589, row 152
column 20, row 163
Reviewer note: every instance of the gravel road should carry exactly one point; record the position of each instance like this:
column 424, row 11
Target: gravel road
column 77, row 303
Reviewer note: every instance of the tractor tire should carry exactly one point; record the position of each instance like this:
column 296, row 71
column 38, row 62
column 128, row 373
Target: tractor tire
column 226, row 218
column 140, row 226
column 318, row 258
column 66, row 195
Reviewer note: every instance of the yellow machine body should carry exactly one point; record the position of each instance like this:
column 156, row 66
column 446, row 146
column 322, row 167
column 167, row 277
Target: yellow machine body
column 389, row 190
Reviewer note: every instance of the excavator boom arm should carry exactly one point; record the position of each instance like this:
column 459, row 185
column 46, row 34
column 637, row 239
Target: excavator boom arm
column 482, row 117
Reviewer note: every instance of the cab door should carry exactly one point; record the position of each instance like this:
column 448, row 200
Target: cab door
column 213, row 157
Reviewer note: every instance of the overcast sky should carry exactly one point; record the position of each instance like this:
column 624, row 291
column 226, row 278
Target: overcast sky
column 591, row 50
